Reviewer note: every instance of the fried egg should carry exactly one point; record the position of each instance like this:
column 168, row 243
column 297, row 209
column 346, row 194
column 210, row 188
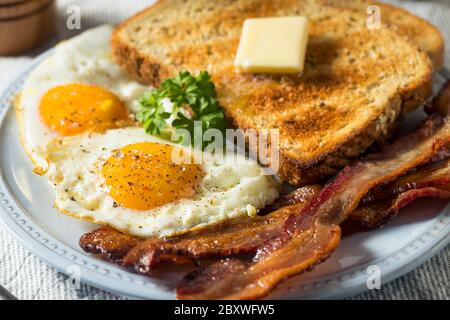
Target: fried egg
column 136, row 183
column 77, row 89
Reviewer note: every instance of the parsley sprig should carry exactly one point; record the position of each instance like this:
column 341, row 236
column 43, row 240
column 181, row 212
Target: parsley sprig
column 197, row 93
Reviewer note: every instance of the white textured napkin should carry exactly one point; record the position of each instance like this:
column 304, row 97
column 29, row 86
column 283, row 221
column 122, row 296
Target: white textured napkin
column 27, row 277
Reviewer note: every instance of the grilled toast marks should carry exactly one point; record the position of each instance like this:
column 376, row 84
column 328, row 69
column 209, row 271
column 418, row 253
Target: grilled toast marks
column 423, row 33
column 355, row 85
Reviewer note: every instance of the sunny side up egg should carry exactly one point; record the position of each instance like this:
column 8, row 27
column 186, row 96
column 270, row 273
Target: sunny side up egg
column 129, row 180
column 78, row 88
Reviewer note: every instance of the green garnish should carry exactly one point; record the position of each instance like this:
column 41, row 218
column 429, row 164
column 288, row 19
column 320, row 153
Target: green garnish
column 185, row 92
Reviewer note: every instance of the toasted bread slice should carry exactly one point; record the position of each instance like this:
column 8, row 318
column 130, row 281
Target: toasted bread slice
column 426, row 35
column 355, row 84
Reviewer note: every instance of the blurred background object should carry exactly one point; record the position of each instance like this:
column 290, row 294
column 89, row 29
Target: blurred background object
column 26, row 24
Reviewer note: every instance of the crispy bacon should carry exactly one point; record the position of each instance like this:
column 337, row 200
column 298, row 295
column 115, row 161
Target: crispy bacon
column 113, row 245
column 405, row 154
column 232, row 237
column 384, row 202
column 374, row 215
column 281, row 257
column 241, row 235
column 313, row 232
column 109, row 243
column 300, row 195
column 436, row 174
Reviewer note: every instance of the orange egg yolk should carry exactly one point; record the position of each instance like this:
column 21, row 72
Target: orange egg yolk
column 142, row 176
column 75, row 108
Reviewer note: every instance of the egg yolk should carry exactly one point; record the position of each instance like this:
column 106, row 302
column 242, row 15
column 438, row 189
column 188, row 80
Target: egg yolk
column 142, row 176
column 75, row 108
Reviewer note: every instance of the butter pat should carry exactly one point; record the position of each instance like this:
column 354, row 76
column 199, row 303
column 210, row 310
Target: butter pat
column 273, row 45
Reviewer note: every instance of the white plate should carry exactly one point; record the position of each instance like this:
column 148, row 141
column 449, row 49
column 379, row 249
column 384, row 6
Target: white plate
column 418, row 233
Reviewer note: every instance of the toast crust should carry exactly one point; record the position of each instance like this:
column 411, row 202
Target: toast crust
column 336, row 110
column 143, row 68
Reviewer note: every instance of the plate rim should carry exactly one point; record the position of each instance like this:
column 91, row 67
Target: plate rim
column 108, row 277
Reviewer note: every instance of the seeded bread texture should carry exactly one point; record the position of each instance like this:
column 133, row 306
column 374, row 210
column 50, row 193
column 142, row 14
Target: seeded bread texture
column 423, row 33
column 356, row 82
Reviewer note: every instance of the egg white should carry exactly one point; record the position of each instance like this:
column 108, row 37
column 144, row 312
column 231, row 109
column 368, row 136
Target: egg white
column 232, row 187
column 85, row 59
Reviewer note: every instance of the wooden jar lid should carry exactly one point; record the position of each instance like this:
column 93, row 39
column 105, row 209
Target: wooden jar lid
column 5, row 3
column 25, row 24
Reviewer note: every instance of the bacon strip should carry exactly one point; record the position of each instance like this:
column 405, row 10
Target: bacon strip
column 312, row 233
column 384, row 202
column 436, row 174
column 110, row 244
column 241, row 235
column 236, row 236
column 300, row 195
column 281, row 257
column 341, row 197
column 374, row 215
column 113, row 245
